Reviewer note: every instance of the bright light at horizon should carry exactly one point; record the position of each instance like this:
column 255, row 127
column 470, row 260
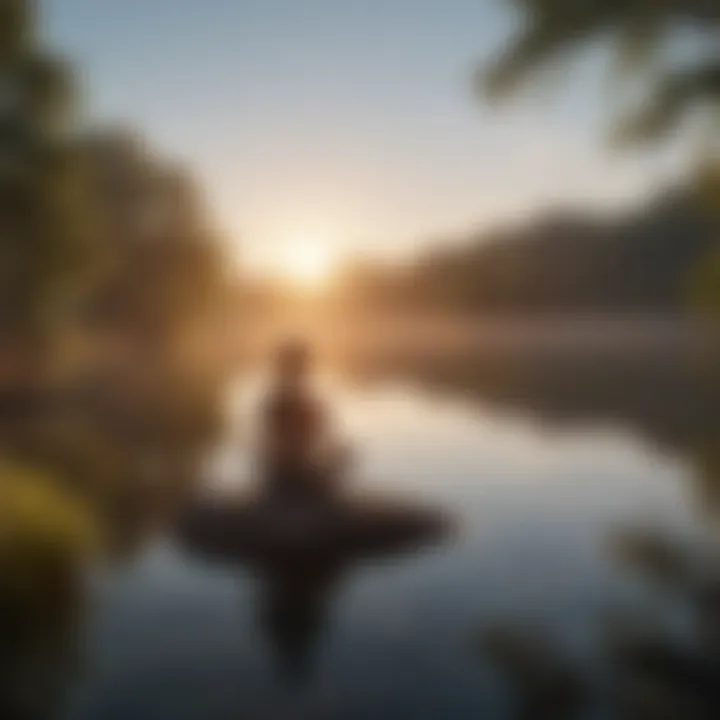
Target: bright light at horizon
column 307, row 263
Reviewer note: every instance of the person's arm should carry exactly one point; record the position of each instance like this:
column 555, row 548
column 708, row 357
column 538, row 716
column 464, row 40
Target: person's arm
column 333, row 452
column 268, row 436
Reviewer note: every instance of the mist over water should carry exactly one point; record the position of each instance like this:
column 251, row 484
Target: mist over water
column 543, row 472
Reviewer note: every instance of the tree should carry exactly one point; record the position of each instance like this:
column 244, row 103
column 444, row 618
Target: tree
column 45, row 247
column 159, row 362
column 671, row 51
column 670, row 45
column 168, row 272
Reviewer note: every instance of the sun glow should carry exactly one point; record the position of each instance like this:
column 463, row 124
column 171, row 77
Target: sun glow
column 306, row 263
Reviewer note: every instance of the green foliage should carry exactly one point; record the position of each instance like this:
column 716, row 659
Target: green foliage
column 671, row 101
column 45, row 244
column 97, row 233
column 648, row 669
column 168, row 269
column 45, row 538
column 645, row 35
column 703, row 285
column 150, row 404
column 16, row 25
column 704, row 293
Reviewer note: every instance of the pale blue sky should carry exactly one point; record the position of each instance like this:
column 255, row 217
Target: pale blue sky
column 343, row 120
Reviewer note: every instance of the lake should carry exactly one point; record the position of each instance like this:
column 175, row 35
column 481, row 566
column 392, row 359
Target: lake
column 544, row 479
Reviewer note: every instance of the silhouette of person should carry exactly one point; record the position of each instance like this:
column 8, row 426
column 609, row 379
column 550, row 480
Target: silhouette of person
column 297, row 455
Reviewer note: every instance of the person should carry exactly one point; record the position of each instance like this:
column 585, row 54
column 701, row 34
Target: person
column 298, row 457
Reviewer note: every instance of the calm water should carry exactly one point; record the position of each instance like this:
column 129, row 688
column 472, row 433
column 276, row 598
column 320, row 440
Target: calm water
column 537, row 508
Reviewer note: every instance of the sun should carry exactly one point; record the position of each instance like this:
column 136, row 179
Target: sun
column 308, row 264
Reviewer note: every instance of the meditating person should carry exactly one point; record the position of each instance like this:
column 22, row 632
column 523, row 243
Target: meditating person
column 298, row 455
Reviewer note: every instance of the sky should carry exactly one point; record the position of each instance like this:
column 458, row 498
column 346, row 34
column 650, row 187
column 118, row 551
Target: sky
column 347, row 123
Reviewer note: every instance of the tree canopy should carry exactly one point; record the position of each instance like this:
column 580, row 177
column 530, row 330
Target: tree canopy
column 671, row 45
column 45, row 243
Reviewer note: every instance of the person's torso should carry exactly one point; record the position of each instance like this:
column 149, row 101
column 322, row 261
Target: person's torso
column 292, row 427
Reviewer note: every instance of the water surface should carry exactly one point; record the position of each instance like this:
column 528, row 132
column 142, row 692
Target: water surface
column 537, row 504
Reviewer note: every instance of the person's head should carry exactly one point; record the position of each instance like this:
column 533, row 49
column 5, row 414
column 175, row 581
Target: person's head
column 293, row 360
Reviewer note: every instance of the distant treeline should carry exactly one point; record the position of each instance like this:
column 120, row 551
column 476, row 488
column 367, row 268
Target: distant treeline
column 642, row 261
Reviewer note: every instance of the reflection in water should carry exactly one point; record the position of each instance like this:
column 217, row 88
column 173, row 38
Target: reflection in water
column 538, row 513
column 648, row 666
column 302, row 555
column 672, row 399
column 294, row 609
column 648, row 669
column 87, row 473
